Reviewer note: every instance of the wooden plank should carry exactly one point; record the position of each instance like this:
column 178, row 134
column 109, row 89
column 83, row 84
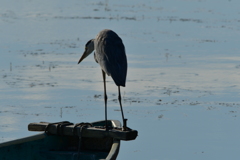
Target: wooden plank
column 85, row 132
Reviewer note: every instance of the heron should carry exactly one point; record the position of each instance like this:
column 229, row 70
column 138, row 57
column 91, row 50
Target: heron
column 110, row 55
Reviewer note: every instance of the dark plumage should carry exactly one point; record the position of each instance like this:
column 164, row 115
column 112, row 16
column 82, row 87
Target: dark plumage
column 110, row 54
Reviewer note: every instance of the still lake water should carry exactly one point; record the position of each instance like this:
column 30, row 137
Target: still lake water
column 182, row 91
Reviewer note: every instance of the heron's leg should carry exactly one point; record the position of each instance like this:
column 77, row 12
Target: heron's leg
column 120, row 102
column 105, row 97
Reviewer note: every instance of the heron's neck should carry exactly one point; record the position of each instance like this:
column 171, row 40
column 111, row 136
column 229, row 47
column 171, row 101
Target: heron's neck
column 92, row 43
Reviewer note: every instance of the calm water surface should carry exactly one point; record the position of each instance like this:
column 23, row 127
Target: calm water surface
column 182, row 91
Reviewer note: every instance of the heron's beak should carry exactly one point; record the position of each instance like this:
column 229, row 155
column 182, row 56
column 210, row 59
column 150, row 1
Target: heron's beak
column 85, row 54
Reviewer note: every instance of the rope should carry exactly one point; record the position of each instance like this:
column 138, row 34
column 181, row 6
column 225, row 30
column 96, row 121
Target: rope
column 79, row 134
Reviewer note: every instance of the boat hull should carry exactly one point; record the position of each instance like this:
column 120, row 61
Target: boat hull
column 55, row 147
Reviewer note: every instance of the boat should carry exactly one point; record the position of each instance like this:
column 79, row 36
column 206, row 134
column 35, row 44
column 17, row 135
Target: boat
column 68, row 141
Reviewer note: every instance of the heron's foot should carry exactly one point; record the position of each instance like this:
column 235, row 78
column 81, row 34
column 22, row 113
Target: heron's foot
column 106, row 128
column 125, row 128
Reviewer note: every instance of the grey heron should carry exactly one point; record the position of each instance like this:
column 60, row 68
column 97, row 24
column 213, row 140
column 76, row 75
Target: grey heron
column 110, row 55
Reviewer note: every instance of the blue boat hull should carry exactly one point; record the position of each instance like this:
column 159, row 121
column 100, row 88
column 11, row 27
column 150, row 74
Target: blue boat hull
column 55, row 147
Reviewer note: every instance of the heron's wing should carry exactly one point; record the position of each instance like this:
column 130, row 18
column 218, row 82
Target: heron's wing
column 110, row 54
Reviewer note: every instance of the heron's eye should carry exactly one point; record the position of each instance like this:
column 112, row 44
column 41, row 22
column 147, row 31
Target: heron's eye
column 85, row 48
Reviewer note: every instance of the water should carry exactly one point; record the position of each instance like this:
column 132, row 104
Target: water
column 182, row 91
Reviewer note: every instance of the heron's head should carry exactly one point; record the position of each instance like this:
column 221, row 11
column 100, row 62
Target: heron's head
column 89, row 47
